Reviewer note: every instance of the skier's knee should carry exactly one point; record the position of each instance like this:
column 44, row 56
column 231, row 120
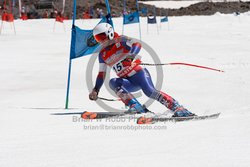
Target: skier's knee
column 114, row 83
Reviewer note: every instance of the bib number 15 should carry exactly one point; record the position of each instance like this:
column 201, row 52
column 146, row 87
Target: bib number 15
column 118, row 67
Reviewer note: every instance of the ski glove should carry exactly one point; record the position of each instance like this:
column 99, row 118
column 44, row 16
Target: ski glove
column 93, row 95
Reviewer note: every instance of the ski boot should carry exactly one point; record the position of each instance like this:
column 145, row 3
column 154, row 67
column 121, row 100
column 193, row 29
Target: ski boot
column 135, row 107
column 182, row 112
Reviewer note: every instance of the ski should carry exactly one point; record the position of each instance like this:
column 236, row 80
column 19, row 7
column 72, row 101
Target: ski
column 152, row 120
column 101, row 115
column 146, row 119
column 96, row 115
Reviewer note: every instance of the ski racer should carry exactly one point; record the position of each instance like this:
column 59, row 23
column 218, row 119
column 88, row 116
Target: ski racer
column 120, row 55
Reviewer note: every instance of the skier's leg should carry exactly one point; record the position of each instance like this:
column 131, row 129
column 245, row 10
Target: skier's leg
column 146, row 84
column 172, row 104
column 123, row 87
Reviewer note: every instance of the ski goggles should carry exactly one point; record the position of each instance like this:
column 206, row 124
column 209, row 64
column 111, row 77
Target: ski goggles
column 101, row 37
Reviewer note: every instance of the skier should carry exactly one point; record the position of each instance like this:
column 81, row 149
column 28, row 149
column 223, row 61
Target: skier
column 120, row 54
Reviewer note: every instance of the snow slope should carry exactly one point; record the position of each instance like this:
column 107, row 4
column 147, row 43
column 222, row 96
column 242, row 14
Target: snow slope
column 33, row 70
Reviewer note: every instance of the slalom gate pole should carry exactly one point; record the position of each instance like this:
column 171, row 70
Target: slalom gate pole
column 70, row 60
column 137, row 6
column 184, row 64
column 124, row 11
column 68, row 86
column 107, row 5
column 1, row 27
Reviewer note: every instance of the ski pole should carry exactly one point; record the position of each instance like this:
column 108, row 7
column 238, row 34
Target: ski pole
column 106, row 99
column 185, row 64
column 119, row 99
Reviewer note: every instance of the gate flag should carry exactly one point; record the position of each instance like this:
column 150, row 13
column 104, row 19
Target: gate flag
column 164, row 19
column 82, row 43
column 131, row 18
column 152, row 20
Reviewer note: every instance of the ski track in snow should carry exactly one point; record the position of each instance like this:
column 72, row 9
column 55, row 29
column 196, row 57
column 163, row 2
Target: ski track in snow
column 33, row 78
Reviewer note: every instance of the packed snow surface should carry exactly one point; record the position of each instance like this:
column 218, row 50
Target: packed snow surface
column 33, row 79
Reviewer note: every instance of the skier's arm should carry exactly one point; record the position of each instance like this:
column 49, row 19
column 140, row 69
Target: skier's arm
column 134, row 48
column 131, row 45
column 100, row 77
column 99, row 80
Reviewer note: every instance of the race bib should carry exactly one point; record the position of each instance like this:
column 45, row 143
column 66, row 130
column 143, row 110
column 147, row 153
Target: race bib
column 118, row 67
